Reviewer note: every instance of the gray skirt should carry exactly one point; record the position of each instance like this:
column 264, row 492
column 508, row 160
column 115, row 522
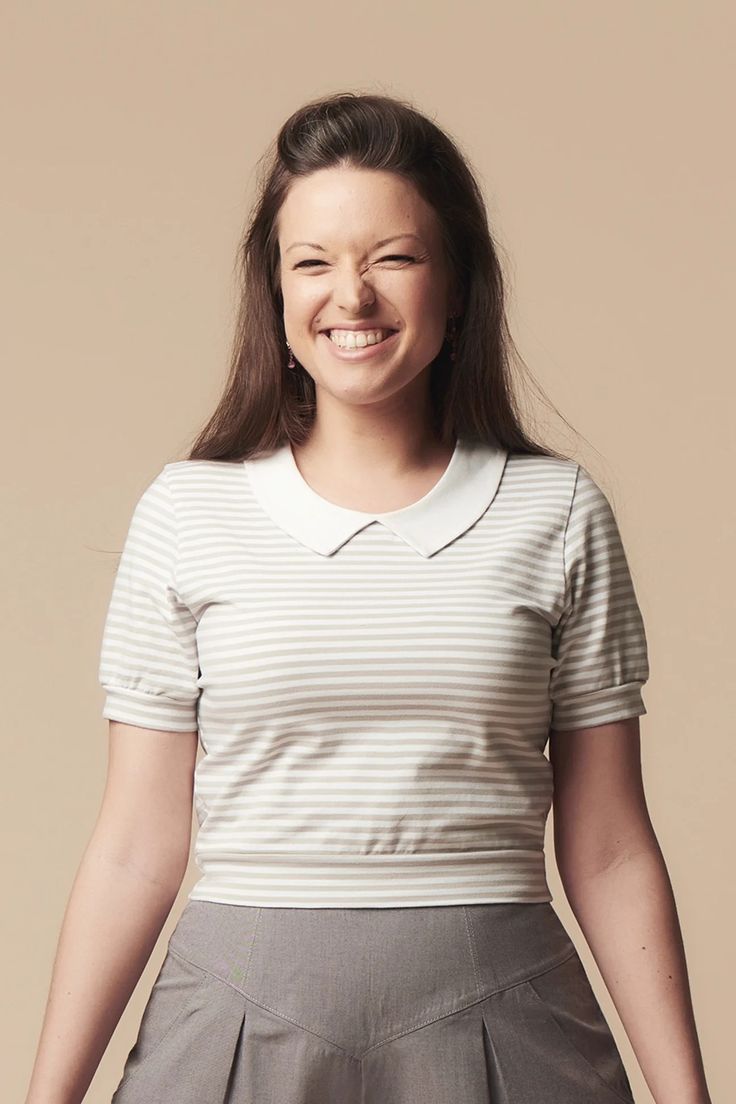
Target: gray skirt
column 471, row 1003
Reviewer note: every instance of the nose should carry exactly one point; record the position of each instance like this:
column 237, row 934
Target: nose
column 351, row 292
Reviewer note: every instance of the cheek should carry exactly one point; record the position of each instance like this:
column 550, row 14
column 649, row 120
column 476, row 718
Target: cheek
column 425, row 299
column 301, row 299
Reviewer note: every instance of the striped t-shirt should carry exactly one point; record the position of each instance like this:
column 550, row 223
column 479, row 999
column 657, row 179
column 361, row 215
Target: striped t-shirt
column 373, row 692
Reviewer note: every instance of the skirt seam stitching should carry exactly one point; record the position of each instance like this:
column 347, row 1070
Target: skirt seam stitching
column 266, row 1007
column 473, row 950
column 391, row 1038
column 470, row 1004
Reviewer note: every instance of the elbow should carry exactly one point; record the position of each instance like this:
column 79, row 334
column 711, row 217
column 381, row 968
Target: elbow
column 586, row 864
column 159, row 860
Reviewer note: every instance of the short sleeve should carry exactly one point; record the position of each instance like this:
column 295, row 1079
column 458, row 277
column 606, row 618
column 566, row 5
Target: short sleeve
column 148, row 658
column 599, row 645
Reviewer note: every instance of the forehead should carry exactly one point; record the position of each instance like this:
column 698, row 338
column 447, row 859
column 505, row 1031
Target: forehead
column 350, row 205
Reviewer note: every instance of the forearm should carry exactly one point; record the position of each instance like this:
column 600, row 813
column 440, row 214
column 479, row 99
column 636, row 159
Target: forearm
column 111, row 924
column 628, row 916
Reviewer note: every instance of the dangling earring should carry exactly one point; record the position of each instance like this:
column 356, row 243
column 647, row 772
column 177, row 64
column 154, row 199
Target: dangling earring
column 292, row 362
column 452, row 337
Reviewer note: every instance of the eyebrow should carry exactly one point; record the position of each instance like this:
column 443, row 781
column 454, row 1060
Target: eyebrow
column 377, row 245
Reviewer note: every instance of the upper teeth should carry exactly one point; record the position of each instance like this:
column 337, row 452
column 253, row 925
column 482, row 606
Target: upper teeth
column 356, row 339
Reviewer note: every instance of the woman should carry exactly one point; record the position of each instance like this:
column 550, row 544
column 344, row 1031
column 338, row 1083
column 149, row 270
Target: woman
column 373, row 599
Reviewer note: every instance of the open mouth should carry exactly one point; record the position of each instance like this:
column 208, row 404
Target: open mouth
column 349, row 341
column 359, row 353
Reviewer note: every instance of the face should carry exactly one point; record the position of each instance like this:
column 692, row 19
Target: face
column 343, row 278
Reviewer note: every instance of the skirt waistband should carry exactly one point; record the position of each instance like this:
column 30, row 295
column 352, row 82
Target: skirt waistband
column 455, row 953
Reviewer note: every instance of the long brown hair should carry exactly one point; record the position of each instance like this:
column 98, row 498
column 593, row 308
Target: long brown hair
column 264, row 403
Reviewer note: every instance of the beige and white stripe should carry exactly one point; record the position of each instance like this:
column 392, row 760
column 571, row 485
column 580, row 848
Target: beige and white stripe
column 373, row 693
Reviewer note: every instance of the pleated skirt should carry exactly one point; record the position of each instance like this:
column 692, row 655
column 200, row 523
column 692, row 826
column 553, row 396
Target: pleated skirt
column 454, row 1004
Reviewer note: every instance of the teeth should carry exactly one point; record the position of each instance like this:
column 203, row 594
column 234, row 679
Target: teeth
column 351, row 339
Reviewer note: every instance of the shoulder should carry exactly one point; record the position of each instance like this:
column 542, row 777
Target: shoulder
column 590, row 504
column 548, row 481
column 526, row 465
column 187, row 477
column 182, row 470
column 198, row 491
column 182, row 479
column 557, row 479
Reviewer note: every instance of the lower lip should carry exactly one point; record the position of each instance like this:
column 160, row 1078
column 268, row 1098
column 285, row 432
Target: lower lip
column 361, row 354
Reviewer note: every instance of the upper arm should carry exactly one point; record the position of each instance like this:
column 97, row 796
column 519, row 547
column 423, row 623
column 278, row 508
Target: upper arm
column 149, row 663
column 599, row 646
column 145, row 820
column 600, row 813
column 600, row 664
column 149, row 669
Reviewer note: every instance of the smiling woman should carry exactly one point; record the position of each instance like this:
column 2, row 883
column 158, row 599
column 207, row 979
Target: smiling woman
column 375, row 600
column 368, row 217
column 355, row 286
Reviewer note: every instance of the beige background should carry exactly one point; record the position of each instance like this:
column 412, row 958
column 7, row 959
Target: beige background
column 131, row 133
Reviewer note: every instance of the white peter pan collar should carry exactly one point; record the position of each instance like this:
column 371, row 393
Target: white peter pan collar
column 462, row 494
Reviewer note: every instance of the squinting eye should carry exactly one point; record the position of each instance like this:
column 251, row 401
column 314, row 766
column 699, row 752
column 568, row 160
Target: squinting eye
column 393, row 257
